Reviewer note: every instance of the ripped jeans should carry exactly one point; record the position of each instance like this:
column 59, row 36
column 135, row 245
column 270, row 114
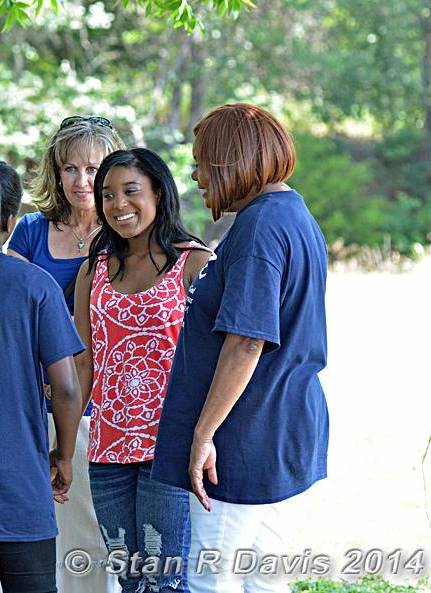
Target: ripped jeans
column 144, row 518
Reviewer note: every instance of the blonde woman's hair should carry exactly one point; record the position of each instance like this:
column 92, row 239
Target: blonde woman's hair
column 81, row 136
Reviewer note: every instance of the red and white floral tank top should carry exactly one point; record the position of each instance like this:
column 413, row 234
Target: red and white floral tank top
column 133, row 338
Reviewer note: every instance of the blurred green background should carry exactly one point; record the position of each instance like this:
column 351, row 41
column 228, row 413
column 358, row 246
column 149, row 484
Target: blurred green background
column 350, row 78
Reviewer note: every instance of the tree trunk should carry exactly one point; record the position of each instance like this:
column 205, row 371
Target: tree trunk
column 198, row 84
column 18, row 60
column 167, row 73
column 174, row 121
column 179, row 76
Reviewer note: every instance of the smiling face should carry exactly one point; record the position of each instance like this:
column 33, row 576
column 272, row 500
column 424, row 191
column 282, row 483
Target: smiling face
column 129, row 202
column 77, row 177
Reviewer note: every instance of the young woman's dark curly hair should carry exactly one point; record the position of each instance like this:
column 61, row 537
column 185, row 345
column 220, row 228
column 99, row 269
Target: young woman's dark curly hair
column 167, row 228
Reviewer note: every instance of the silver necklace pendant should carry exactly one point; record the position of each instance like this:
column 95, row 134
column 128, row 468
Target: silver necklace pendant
column 80, row 240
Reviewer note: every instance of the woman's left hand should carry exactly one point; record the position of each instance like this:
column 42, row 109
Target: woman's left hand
column 202, row 458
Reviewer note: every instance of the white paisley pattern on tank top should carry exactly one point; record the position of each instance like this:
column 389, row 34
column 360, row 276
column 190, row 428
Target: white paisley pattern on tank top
column 133, row 339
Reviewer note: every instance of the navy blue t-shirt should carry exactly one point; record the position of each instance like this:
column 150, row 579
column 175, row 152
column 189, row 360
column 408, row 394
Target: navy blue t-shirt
column 35, row 329
column 30, row 239
column 267, row 281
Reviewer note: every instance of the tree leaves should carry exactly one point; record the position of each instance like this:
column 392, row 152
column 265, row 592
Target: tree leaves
column 180, row 13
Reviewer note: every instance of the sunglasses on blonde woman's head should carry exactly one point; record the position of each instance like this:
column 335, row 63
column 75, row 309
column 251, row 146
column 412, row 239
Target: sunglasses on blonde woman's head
column 94, row 119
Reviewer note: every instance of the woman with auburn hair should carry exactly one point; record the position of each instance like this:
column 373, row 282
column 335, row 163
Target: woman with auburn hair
column 244, row 425
column 57, row 238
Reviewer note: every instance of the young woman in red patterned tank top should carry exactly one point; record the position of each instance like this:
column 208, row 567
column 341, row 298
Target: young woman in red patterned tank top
column 130, row 299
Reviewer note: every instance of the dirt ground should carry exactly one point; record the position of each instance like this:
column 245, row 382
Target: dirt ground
column 378, row 391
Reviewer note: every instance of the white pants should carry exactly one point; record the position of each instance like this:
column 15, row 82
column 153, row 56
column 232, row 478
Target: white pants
column 242, row 535
column 78, row 527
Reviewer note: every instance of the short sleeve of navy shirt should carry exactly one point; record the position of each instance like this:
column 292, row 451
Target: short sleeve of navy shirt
column 35, row 330
column 266, row 281
column 252, row 286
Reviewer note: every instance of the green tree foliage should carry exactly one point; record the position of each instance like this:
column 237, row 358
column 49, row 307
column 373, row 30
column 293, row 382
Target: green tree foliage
column 179, row 13
column 352, row 76
column 339, row 192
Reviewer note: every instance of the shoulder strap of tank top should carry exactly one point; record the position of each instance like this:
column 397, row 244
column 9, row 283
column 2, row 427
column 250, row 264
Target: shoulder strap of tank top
column 178, row 269
column 101, row 267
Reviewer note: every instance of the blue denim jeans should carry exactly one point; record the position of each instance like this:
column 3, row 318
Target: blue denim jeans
column 28, row 567
column 140, row 515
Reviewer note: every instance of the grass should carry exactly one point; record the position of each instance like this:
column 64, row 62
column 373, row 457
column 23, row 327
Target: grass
column 367, row 584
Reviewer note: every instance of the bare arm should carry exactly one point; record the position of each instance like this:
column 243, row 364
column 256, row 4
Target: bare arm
column 66, row 404
column 196, row 260
column 236, row 364
column 66, row 411
column 15, row 254
column 84, row 361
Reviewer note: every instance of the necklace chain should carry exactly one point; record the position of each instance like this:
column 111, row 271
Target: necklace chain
column 82, row 241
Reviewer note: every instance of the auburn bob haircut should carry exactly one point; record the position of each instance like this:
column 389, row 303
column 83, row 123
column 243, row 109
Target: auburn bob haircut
column 240, row 148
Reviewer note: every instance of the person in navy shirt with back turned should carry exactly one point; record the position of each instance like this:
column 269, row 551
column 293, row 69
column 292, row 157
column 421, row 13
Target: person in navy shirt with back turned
column 245, row 424
column 35, row 331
